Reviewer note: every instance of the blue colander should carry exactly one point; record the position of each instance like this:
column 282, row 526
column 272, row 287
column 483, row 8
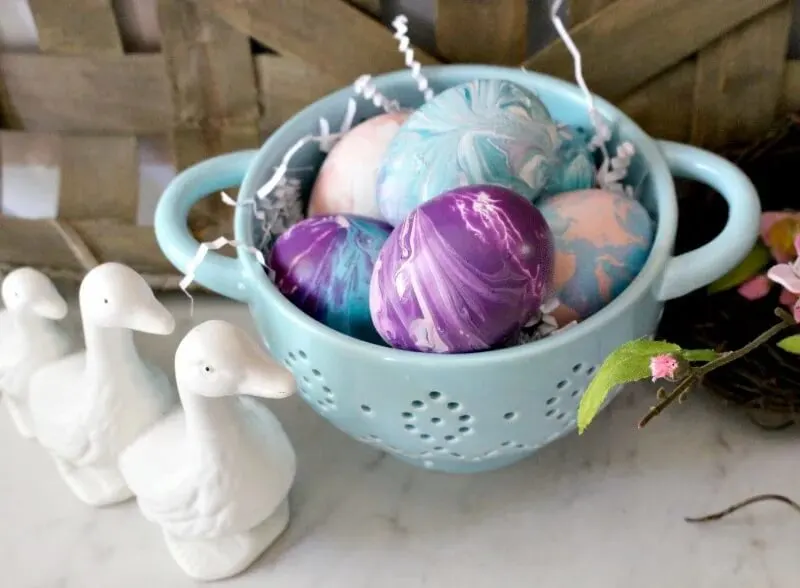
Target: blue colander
column 471, row 412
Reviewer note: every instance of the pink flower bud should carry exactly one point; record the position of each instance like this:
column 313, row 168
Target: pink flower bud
column 663, row 366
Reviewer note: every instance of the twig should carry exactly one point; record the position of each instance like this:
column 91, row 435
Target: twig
column 739, row 505
column 697, row 373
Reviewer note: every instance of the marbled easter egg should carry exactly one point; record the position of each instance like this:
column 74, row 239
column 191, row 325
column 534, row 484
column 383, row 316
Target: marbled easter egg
column 323, row 264
column 576, row 169
column 347, row 180
column 602, row 241
column 482, row 132
column 462, row 272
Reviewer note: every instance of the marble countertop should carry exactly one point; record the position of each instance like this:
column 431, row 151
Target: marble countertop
column 602, row 510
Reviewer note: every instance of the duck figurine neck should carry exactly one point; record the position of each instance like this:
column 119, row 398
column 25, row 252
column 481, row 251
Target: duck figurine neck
column 216, row 475
column 89, row 406
column 30, row 337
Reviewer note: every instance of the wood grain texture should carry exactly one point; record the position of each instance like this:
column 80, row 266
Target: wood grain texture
column 740, row 80
column 333, row 36
column 76, row 27
column 99, row 178
column 107, row 240
column 663, row 105
column 630, row 41
column 371, row 7
column 213, row 87
column 790, row 94
column 581, row 10
column 482, row 31
column 209, row 66
column 127, row 94
column 287, row 85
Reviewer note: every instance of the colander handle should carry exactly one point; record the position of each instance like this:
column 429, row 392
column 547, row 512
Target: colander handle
column 217, row 272
column 695, row 269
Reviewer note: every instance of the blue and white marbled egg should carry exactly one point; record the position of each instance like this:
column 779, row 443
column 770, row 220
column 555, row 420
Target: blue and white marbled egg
column 323, row 264
column 482, row 132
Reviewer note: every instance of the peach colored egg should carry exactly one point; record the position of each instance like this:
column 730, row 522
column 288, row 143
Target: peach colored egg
column 348, row 177
column 602, row 241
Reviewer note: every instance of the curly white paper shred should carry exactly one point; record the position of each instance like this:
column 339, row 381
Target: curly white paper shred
column 277, row 204
column 612, row 170
column 202, row 251
column 364, row 87
column 400, row 25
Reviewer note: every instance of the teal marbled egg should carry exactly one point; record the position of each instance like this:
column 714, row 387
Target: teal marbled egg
column 482, row 132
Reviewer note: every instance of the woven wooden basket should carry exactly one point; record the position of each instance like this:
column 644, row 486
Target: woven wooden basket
column 705, row 72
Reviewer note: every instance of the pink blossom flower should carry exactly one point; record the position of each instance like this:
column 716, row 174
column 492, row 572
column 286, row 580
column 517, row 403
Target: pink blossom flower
column 788, row 276
column 778, row 230
column 663, row 366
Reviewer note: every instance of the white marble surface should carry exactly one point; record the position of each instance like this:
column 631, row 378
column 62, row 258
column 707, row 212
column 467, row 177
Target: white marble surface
column 602, row 510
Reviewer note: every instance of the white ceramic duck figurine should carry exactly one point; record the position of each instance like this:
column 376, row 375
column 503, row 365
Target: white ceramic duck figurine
column 216, row 475
column 29, row 337
column 87, row 407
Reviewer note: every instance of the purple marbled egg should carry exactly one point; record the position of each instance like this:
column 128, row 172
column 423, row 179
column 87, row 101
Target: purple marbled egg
column 464, row 271
column 323, row 264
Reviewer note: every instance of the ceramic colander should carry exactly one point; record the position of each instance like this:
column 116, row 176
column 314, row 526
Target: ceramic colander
column 468, row 412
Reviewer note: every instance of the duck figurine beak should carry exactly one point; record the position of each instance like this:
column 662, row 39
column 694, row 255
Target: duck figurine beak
column 264, row 377
column 50, row 306
column 151, row 317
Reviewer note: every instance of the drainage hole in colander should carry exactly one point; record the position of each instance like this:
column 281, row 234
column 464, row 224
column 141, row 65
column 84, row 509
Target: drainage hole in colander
column 575, row 393
column 435, row 395
column 510, row 416
column 330, row 401
column 560, row 416
column 374, row 437
column 425, row 454
column 306, row 380
column 577, row 367
column 317, row 373
column 438, row 448
column 366, row 409
column 425, row 437
column 292, row 356
column 550, row 401
column 591, row 369
column 302, row 354
column 418, row 404
column 436, row 421
column 407, row 415
column 520, row 446
column 458, row 455
column 449, row 438
column 550, row 412
column 491, row 453
column 562, row 384
column 454, row 406
column 507, row 443
column 464, row 430
column 409, row 427
column 465, row 418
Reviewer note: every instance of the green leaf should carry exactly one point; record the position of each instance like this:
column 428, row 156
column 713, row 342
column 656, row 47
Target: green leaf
column 705, row 355
column 790, row 344
column 627, row 363
column 758, row 258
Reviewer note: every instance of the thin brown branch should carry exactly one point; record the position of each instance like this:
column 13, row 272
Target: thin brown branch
column 740, row 505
